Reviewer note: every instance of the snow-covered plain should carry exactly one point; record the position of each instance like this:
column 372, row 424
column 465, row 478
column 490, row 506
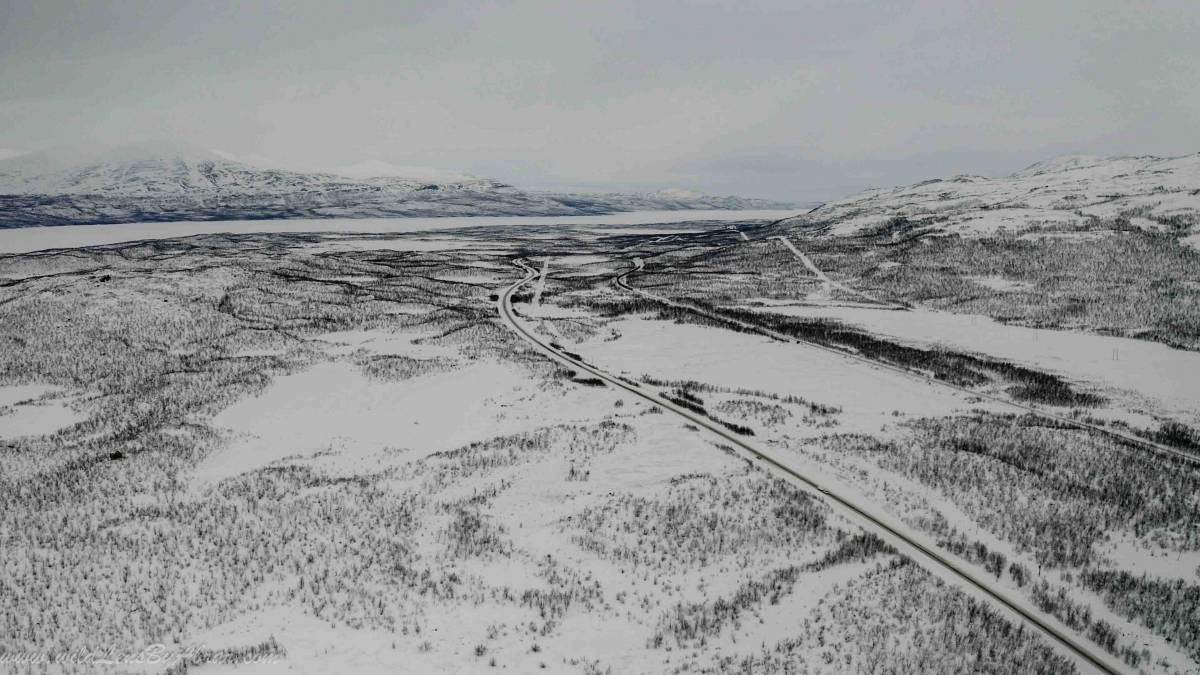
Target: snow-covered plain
column 333, row 407
column 20, row 393
column 36, row 420
column 867, row 395
column 24, row 413
column 1169, row 379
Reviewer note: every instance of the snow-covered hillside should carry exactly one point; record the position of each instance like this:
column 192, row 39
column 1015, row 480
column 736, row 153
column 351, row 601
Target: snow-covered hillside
column 1070, row 192
column 165, row 181
column 166, row 169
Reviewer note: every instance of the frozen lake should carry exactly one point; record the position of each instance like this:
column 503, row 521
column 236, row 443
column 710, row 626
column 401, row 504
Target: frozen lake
column 26, row 239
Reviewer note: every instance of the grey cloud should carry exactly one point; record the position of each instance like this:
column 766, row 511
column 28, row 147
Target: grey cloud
column 780, row 99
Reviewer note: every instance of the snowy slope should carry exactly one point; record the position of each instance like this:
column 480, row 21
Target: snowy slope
column 167, row 168
column 170, row 181
column 1070, row 192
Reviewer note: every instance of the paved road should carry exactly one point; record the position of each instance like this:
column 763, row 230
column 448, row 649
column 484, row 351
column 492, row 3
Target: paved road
column 905, row 541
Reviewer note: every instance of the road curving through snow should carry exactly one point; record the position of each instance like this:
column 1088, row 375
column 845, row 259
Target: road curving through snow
column 912, row 544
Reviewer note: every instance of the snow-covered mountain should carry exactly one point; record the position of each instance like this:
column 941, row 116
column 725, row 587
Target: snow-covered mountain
column 164, row 169
column 164, row 180
column 1076, row 191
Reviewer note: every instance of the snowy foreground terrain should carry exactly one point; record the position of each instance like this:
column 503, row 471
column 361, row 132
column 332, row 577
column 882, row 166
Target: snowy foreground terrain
column 706, row 446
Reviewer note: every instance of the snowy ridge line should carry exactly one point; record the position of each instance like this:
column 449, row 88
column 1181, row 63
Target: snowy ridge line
column 1155, row 194
column 933, row 561
column 1169, row 452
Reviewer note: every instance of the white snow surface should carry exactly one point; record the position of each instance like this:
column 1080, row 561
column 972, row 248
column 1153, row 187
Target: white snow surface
column 867, row 394
column 20, row 393
column 23, row 414
column 999, row 283
column 333, row 406
column 1169, row 377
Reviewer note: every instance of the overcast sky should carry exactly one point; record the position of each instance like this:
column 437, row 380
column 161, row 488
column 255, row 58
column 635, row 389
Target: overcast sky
column 792, row 99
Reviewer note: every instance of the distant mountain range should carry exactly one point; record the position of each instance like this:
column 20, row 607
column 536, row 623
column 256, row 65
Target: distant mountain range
column 1074, row 192
column 168, row 181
